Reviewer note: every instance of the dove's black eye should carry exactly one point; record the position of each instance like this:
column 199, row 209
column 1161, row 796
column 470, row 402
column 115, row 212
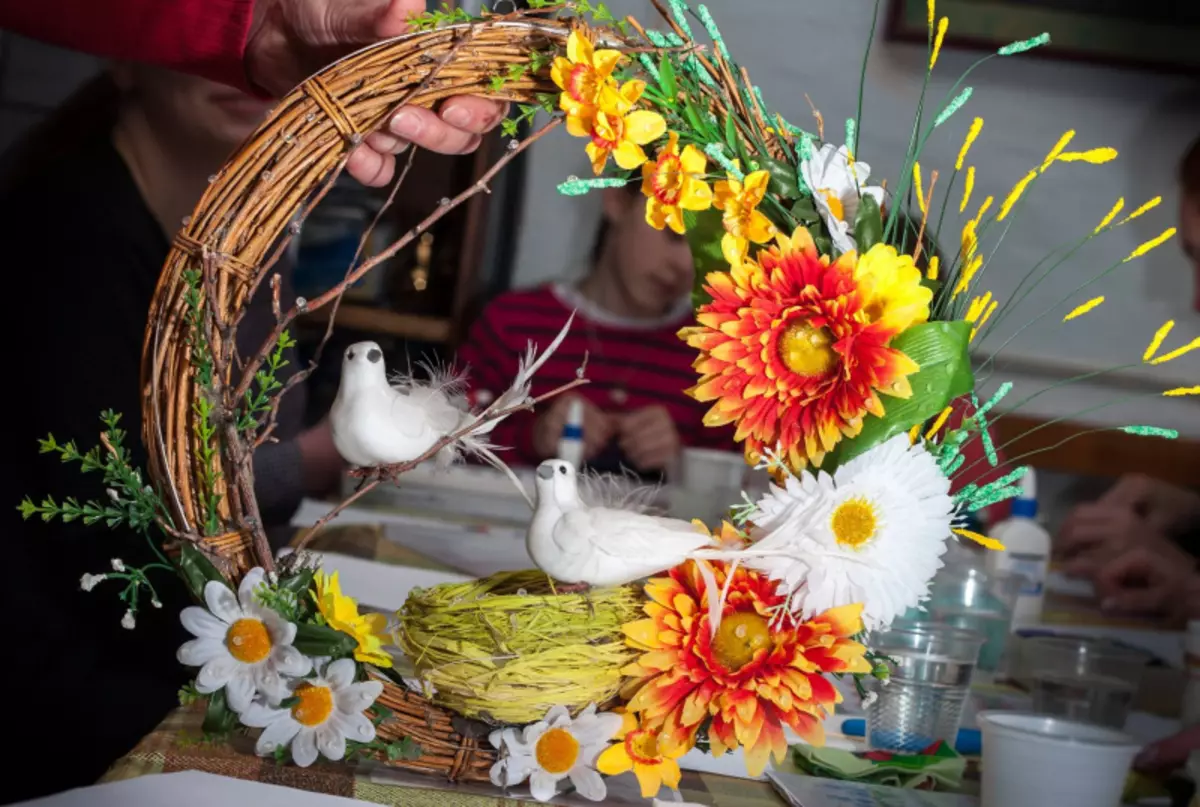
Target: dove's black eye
column 562, row 469
column 374, row 355
column 350, row 355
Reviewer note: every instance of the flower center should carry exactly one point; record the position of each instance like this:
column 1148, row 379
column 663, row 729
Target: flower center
column 740, row 636
column 608, row 130
column 248, row 641
column 581, row 84
column 836, row 208
column 668, row 179
column 315, row 706
column 556, row 751
column 642, row 746
column 805, row 350
column 854, row 523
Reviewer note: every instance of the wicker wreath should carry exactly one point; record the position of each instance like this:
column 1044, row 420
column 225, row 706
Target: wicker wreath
column 227, row 249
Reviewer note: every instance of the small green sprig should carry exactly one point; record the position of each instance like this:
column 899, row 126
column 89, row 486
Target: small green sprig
column 432, row 20
column 266, row 384
column 205, row 427
column 525, row 115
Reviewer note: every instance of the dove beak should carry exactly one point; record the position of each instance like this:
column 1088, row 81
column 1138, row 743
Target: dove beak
column 545, row 472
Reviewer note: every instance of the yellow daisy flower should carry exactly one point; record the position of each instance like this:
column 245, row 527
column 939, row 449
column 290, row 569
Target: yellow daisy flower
column 341, row 613
column 744, row 222
column 640, row 752
column 619, row 133
column 674, row 183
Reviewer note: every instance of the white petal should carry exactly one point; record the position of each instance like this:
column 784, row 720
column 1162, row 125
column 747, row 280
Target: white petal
column 518, row 770
column 199, row 652
column 287, row 660
column 271, row 684
column 357, row 697
column 240, row 689
column 259, row 714
column 279, row 629
column 589, row 783
column 200, row 622
column 216, row 673
column 222, row 602
column 330, row 742
column 252, row 580
column 497, row 772
column 304, row 747
column 340, row 673
column 542, row 785
column 496, row 738
column 597, row 729
column 276, row 734
column 558, row 716
column 534, row 730
column 355, row 726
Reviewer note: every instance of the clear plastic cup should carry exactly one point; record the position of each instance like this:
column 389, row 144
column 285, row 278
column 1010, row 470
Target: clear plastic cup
column 977, row 600
column 1087, row 680
column 922, row 702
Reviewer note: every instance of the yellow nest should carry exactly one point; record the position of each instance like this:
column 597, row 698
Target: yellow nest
column 505, row 648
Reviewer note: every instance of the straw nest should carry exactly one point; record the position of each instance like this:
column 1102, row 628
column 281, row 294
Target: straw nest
column 506, row 648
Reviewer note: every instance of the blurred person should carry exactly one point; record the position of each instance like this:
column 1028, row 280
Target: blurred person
column 630, row 306
column 265, row 47
column 87, row 210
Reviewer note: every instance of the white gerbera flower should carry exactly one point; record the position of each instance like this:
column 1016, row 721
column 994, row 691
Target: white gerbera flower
column 838, row 183
column 241, row 645
column 553, row 749
column 329, row 712
column 873, row 533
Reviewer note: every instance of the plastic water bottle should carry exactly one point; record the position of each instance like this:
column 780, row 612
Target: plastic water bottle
column 570, row 443
column 1026, row 553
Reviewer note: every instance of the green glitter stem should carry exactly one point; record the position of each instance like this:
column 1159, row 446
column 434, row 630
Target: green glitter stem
column 679, row 14
column 1151, row 431
column 850, row 137
column 716, row 152
column 578, row 187
column 953, row 106
column 648, row 65
column 1024, row 45
column 1005, row 388
column 710, row 25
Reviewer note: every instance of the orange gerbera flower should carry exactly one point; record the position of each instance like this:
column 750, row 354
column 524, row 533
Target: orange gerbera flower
column 794, row 348
column 752, row 676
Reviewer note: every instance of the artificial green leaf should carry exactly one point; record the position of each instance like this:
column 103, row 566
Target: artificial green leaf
column 940, row 349
column 868, row 224
column 805, row 210
column 823, row 243
column 731, row 136
column 693, row 117
column 320, row 640
column 219, row 719
column 299, row 585
column 197, row 570
column 704, row 232
column 783, row 178
column 406, row 748
column 666, row 80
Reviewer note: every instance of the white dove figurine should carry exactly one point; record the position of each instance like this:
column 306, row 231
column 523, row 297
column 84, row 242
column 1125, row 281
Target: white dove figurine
column 375, row 422
column 584, row 545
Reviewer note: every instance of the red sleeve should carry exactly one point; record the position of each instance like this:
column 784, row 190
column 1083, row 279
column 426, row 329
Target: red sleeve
column 491, row 363
column 201, row 37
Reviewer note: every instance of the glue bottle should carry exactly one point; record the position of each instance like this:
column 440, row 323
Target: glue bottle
column 1026, row 553
column 570, row 443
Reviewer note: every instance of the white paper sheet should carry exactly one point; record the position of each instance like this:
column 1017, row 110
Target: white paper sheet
column 807, row 791
column 188, row 789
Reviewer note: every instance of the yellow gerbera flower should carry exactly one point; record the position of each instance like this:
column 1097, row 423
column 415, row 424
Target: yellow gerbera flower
column 674, row 183
column 341, row 613
column 640, row 752
column 584, row 76
column 744, row 222
column 620, row 133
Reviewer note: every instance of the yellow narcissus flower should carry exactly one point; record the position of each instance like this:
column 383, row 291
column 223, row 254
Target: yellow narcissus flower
column 618, row 132
column 341, row 613
column 639, row 752
column 744, row 222
column 674, row 183
column 584, row 75
column 891, row 289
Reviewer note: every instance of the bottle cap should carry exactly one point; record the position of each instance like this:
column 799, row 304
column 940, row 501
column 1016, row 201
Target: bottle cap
column 573, row 428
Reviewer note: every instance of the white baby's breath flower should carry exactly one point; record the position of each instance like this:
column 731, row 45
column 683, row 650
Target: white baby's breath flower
column 118, row 565
column 112, row 494
column 129, row 622
column 89, row 581
column 154, row 603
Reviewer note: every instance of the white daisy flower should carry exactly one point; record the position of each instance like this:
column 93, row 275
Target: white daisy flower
column 838, row 183
column 241, row 645
column 553, row 749
column 873, row 533
column 329, row 712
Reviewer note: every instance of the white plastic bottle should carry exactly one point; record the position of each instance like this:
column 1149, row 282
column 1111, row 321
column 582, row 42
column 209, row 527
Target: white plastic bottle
column 1026, row 553
column 570, row 443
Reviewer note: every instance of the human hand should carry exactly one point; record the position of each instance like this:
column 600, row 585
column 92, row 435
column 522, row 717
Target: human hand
column 649, row 438
column 1095, row 533
column 290, row 40
column 1165, row 507
column 1152, row 580
column 322, row 464
column 597, row 428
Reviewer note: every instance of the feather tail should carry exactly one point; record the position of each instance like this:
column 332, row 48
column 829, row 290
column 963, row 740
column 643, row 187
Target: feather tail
column 484, row 451
column 529, row 364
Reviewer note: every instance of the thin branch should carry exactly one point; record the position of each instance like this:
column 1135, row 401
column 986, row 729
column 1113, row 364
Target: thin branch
column 373, row 476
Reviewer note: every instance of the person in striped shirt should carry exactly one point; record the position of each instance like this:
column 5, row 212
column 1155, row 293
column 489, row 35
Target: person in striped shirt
column 629, row 306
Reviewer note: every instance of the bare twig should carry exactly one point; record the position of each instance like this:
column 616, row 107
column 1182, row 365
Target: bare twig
column 372, row 477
